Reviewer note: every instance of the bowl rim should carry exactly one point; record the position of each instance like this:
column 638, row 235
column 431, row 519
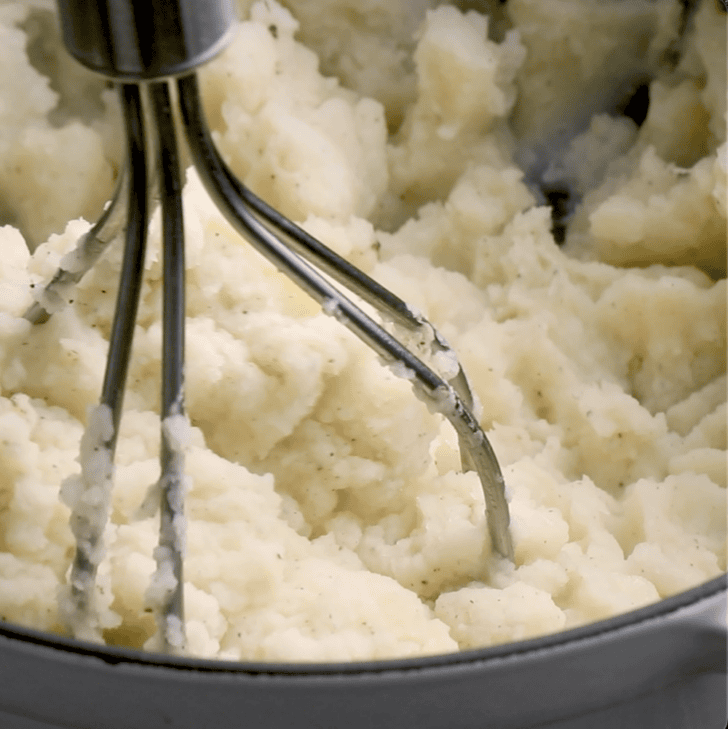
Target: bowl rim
column 666, row 608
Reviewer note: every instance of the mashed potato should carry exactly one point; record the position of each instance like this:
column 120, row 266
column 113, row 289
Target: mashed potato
column 328, row 519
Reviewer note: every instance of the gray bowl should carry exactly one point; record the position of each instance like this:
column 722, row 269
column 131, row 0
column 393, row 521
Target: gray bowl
column 663, row 666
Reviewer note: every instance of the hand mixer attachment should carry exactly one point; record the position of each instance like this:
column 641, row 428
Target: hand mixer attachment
column 150, row 49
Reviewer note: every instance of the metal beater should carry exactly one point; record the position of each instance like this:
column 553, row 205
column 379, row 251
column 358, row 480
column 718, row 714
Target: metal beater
column 150, row 48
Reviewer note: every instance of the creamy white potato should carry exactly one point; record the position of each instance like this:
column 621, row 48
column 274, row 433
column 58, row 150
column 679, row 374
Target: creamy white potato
column 327, row 516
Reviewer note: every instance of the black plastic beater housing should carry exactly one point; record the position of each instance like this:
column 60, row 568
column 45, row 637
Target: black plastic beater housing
column 138, row 40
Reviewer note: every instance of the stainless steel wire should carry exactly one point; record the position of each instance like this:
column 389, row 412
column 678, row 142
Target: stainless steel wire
column 239, row 206
column 151, row 132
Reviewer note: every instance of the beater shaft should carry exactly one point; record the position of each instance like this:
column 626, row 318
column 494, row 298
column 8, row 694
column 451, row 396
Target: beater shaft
column 130, row 40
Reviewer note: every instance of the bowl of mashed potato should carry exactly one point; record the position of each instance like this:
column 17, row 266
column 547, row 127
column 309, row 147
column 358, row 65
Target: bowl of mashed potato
column 546, row 182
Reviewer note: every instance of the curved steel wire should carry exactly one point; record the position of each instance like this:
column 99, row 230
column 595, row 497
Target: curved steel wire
column 441, row 395
column 294, row 252
column 90, row 503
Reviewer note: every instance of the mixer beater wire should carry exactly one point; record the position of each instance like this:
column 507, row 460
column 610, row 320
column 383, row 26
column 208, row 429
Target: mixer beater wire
column 145, row 67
